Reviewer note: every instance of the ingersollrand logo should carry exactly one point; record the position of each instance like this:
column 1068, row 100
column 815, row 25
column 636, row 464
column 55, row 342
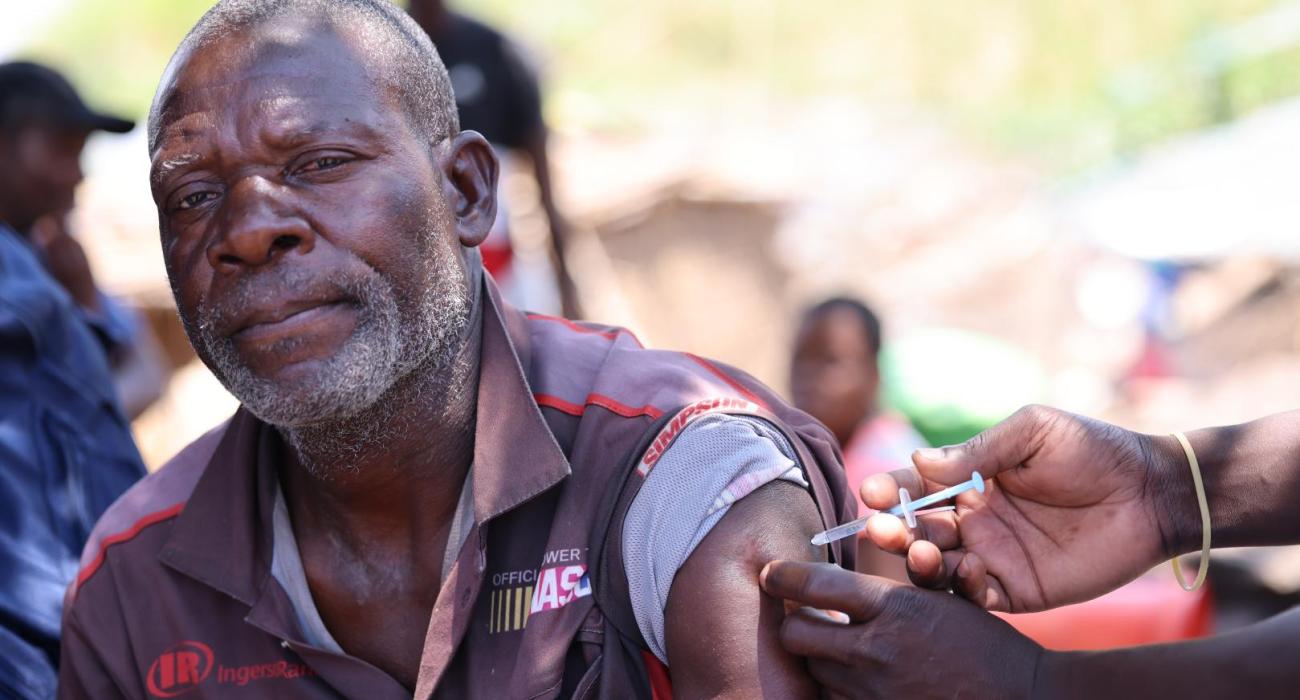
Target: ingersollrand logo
column 180, row 669
column 188, row 664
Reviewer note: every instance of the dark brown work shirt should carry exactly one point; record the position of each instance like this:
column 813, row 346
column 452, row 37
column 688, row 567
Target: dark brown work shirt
column 176, row 595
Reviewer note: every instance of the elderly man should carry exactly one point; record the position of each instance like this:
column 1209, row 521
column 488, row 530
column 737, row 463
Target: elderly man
column 425, row 491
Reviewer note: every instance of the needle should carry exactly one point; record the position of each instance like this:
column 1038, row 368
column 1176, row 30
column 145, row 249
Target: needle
column 906, row 508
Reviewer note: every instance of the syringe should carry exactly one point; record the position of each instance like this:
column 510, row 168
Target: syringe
column 906, row 508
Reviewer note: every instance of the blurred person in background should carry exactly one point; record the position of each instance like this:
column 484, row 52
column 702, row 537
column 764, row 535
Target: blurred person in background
column 48, row 180
column 498, row 95
column 65, row 447
column 135, row 356
column 835, row 377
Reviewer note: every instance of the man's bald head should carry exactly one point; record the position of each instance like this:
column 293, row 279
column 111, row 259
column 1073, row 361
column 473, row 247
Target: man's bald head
column 398, row 51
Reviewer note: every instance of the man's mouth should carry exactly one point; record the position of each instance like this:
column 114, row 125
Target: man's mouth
column 288, row 319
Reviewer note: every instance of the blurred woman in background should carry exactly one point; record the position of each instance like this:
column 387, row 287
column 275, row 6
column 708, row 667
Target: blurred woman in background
column 835, row 377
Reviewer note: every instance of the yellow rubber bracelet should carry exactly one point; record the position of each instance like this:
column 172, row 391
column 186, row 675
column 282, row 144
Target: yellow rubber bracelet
column 1204, row 567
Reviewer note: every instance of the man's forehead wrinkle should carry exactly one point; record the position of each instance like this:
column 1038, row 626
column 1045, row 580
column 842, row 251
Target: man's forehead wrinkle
column 167, row 92
column 294, row 131
column 163, row 167
column 276, row 109
column 294, row 109
column 198, row 63
column 396, row 55
column 179, row 143
column 302, row 60
column 189, row 96
column 220, row 62
column 187, row 127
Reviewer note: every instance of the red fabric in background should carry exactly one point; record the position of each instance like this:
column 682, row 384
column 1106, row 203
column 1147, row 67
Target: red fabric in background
column 1146, row 611
column 497, row 259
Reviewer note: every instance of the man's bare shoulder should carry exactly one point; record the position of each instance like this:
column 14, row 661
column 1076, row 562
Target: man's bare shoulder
column 723, row 631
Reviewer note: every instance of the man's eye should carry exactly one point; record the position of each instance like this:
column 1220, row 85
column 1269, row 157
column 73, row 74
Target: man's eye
column 192, row 200
column 322, row 163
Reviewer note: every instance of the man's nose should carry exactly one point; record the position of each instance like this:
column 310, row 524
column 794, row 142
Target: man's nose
column 258, row 227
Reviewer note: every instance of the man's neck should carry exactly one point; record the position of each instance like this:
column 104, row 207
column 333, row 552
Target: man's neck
column 394, row 472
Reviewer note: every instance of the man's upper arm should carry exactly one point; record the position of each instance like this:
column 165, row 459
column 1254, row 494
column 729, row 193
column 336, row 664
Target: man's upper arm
column 722, row 630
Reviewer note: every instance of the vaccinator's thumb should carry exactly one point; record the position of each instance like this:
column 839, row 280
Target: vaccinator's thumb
column 827, row 587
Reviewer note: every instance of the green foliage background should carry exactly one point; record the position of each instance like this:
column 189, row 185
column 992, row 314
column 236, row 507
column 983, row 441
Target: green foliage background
column 1071, row 82
column 115, row 50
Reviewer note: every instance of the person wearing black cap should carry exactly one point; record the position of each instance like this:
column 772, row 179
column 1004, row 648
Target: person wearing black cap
column 43, row 126
column 65, row 448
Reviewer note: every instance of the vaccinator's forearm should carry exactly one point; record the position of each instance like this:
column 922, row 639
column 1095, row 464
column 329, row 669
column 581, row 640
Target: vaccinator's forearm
column 1252, row 484
column 1256, row 662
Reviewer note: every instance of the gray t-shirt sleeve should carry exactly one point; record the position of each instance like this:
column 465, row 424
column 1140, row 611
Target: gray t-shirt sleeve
column 715, row 461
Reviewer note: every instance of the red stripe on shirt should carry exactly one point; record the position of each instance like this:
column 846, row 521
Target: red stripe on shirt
column 609, row 335
column 715, row 371
column 623, row 409
column 600, row 400
column 558, row 404
column 125, row 535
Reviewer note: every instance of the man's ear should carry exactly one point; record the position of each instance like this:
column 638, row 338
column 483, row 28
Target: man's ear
column 469, row 170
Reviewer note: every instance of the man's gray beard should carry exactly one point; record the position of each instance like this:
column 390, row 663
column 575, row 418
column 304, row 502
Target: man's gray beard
column 340, row 410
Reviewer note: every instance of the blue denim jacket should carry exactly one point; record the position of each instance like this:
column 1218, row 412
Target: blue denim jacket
column 65, row 455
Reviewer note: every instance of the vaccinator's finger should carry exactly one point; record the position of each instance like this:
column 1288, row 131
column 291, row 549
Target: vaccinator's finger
column 969, row 579
column 880, row 491
column 1004, row 446
column 826, row 586
column 942, row 528
column 925, row 565
column 951, row 559
column 997, row 599
column 891, row 534
column 807, row 633
column 841, row 680
column 834, row 616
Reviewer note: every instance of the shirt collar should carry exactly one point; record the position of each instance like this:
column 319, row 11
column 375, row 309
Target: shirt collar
column 223, row 537
column 516, row 456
